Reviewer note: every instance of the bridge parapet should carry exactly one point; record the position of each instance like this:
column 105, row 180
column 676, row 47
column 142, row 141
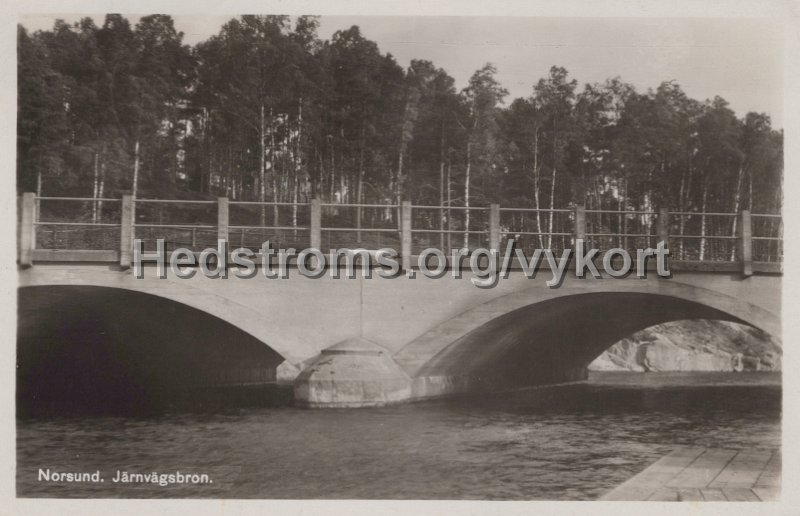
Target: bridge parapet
column 103, row 230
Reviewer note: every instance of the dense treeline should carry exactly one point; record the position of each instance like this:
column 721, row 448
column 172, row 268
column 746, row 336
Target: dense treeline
column 265, row 110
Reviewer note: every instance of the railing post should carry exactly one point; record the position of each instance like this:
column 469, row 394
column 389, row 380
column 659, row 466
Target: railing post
column 494, row 227
column 580, row 223
column 405, row 234
column 662, row 226
column 316, row 224
column 126, row 232
column 746, row 242
column 27, row 229
column 223, row 213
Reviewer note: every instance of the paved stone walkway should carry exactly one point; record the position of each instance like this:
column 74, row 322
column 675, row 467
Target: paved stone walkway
column 706, row 474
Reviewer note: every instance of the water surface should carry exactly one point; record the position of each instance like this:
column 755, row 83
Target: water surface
column 562, row 443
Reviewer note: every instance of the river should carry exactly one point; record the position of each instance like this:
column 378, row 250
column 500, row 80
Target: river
column 558, row 443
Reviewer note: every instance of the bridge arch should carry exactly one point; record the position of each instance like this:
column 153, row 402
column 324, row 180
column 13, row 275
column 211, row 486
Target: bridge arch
column 539, row 337
column 241, row 312
column 109, row 349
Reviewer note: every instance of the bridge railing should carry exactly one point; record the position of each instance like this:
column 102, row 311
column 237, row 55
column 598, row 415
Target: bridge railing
column 71, row 223
column 88, row 229
column 704, row 236
column 541, row 228
column 249, row 224
column 622, row 229
column 767, row 236
column 456, row 227
column 369, row 226
column 189, row 224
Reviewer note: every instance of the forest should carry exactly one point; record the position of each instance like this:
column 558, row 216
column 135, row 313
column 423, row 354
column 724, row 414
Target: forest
column 267, row 111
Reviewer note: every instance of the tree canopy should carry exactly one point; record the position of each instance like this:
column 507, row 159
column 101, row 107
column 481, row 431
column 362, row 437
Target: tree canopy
column 267, row 111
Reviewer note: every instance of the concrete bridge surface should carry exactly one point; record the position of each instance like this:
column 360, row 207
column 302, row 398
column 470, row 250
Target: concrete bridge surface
column 356, row 342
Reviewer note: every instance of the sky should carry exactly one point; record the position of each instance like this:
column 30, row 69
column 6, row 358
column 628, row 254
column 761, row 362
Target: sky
column 739, row 59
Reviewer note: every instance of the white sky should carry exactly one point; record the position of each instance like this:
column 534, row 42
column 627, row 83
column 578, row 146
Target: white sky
column 739, row 59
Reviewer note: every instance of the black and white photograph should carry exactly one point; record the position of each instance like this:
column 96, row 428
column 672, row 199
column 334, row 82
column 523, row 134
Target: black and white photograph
column 290, row 254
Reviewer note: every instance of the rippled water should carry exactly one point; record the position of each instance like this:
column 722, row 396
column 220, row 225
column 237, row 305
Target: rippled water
column 572, row 442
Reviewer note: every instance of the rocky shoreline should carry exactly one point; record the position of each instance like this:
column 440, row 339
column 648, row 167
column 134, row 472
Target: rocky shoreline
column 693, row 345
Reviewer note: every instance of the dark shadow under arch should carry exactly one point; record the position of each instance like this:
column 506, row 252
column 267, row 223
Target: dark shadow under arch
column 555, row 340
column 103, row 349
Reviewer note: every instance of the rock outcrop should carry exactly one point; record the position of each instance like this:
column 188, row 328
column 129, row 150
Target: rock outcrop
column 693, row 345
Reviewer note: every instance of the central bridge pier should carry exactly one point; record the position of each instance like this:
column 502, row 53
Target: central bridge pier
column 363, row 342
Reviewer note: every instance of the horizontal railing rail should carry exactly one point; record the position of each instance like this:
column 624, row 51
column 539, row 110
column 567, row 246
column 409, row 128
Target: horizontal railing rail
column 55, row 224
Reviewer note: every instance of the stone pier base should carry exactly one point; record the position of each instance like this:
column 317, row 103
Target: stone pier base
column 353, row 373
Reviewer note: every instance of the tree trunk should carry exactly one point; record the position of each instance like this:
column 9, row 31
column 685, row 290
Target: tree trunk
column 95, row 184
column 205, row 172
column 273, row 168
column 552, row 188
column 262, row 173
column 343, row 191
column 466, row 195
column 621, row 217
column 298, row 163
column 449, row 203
column 333, row 170
column 135, row 187
column 399, row 184
column 441, row 189
column 360, row 185
column 736, row 203
column 317, row 185
column 648, row 201
column 703, row 223
column 552, row 206
column 625, row 184
column 536, row 187
column 399, row 188
column 100, row 189
column 687, row 197
column 682, row 208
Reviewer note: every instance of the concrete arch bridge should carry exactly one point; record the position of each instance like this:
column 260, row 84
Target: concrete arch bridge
column 373, row 341
column 352, row 342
